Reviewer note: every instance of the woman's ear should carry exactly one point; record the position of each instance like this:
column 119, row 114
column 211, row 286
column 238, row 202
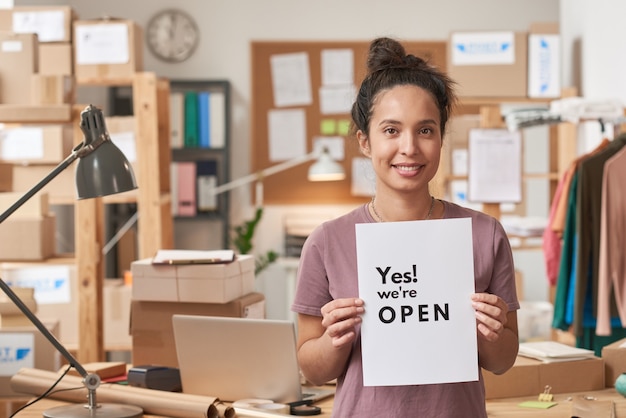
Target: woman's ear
column 364, row 143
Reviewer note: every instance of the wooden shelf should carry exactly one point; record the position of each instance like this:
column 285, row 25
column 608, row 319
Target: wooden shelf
column 35, row 114
column 125, row 81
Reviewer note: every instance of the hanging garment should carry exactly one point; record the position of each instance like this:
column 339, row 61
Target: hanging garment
column 611, row 264
column 588, row 203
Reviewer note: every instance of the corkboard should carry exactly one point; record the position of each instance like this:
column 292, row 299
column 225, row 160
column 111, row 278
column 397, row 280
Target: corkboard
column 291, row 186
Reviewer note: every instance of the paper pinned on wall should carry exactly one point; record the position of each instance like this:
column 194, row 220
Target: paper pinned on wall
column 287, row 134
column 363, row 177
column 337, row 67
column 336, row 99
column 495, row 166
column 291, row 79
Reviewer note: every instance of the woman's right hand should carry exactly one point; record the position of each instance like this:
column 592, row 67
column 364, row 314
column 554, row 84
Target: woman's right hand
column 340, row 318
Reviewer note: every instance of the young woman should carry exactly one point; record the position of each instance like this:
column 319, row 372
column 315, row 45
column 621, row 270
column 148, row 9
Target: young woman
column 399, row 119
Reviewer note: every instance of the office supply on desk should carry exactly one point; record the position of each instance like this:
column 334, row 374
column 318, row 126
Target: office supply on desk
column 193, row 257
column 240, row 358
column 102, row 170
column 551, row 351
column 155, row 377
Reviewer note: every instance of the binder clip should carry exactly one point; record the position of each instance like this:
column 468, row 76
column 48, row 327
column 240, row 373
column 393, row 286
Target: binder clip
column 546, row 396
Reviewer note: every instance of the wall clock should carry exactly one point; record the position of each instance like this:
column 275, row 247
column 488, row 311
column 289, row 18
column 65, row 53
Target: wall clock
column 172, row 35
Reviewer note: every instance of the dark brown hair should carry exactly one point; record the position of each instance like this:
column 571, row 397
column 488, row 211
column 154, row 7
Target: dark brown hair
column 388, row 66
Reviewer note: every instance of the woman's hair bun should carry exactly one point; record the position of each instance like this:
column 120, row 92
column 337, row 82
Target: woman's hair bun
column 388, row 53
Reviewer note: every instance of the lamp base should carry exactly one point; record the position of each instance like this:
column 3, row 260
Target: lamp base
column 103, row 410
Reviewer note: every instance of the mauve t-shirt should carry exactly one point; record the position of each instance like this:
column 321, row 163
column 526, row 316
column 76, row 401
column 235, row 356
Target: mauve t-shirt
column 328, row 270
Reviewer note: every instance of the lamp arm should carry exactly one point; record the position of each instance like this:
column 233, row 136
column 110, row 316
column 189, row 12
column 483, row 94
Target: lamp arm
column 57, row 170
column 42, row 328
column 264, row 173
column 5, row 287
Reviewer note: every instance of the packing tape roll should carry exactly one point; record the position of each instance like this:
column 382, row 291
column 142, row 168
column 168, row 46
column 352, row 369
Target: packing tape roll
column 279, row 408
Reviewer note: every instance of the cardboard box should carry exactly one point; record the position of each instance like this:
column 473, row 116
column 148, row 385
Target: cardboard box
column 153, row 334
column 56, row 292
column 51, row 89
column 6, row 177
column 62, row 187
column 56, row 59
column 216, row 283
column 151, row 282
column 529, row 377
column 18, row 62
column 36, row 144
column 50, row 23
column 36, row 207
column 26, row 347
column 208, row 283
column 109, row 49
column 27, row 113
column 614, row 356
column 116, row 300
column 28, row 238
column 122, row 132
column 544, row 61
column 489, row 64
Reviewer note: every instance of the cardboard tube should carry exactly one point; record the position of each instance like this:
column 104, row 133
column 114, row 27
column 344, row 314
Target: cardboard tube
column 155, row 402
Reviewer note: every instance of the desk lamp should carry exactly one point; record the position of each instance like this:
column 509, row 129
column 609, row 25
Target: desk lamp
column 102, row 170
column 324, row 169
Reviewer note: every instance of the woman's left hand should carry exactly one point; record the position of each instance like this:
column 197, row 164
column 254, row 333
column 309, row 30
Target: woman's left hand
column 491, row 315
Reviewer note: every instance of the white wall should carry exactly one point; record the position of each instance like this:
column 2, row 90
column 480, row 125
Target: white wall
column 228, row 27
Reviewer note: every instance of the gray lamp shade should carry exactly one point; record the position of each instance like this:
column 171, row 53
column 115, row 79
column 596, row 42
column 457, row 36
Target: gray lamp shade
column 103, row 172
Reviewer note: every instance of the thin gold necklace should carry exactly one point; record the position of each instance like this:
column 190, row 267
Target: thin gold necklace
column 380, row 218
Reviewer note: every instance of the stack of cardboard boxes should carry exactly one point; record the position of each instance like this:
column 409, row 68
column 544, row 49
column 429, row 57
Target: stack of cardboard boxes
column 160, row 291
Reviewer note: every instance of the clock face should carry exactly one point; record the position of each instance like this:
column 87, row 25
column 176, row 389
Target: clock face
column 172, row 35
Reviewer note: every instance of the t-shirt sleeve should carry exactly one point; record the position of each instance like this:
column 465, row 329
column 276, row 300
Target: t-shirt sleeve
column 503, row 277
column 312, row 291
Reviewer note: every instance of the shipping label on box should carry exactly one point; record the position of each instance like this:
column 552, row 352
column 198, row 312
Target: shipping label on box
column 50, row 23
column 36, row 144
column 56, row 293
column 483, row 48
column 18, row 350
column 109, row 49
column 489, row 64
column 18, row 62
column 544, row 65
column 26, row 347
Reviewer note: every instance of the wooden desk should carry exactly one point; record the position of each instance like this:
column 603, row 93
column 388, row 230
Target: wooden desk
column 496, row 408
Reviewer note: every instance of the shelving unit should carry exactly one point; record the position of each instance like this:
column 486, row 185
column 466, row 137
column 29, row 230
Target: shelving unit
column 152, row 197
column 155, row 230
column 220, row 155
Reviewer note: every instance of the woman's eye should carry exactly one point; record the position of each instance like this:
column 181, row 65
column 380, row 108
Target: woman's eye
column 426, row 130
column 390, row 131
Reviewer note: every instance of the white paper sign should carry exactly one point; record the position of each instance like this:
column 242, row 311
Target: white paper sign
column 17, row 350
column 483, row 48
column 416, row 279
column 125, row 141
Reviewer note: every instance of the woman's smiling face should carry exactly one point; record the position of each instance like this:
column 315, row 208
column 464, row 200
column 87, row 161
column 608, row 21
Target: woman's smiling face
column 404, row 139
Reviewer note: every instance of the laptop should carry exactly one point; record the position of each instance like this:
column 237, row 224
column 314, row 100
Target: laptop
column 240, row 358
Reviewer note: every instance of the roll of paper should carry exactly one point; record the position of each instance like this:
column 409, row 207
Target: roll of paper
column 156, row 402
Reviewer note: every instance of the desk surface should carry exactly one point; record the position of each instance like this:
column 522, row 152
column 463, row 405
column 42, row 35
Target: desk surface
column 496, row 408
